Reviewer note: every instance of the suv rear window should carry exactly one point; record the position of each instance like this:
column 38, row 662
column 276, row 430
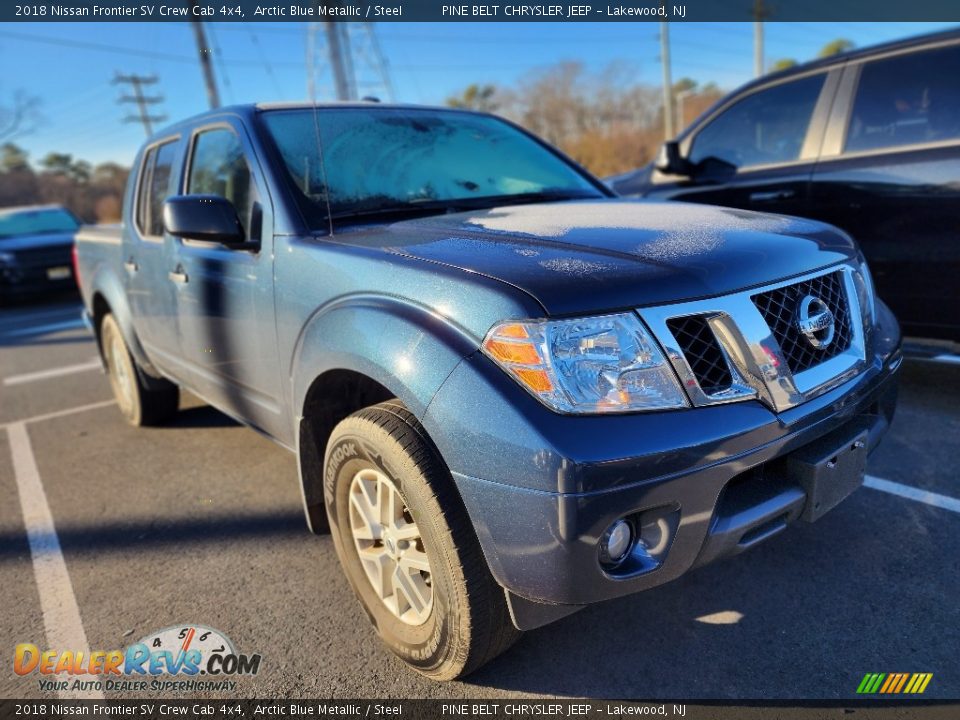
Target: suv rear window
column 155, row 176
column 907, row 100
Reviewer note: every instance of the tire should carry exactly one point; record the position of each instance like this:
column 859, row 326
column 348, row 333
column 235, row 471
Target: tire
column 465, row 622
column 140, row 403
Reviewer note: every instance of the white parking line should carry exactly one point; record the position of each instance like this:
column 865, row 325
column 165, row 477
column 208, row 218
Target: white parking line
column 944, row 502
column 19, row 318
column 60, row 413
column 92, row 364
column 61, row 615
column 43, row 329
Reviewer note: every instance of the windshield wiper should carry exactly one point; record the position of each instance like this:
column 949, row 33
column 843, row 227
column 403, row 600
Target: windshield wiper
column 424, row 208
column 538, row 196
column 434, row 207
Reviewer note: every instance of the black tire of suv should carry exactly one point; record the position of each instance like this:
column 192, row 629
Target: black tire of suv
column 143, row 406
column 469, row 623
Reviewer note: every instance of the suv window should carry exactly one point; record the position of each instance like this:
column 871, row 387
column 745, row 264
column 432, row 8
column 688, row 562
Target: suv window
column 219, row 168
column 906, row 100
column 768, row 126
column 155, row 176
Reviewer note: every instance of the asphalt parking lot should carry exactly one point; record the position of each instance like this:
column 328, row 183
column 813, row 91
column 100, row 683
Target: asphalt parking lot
column 200, row 522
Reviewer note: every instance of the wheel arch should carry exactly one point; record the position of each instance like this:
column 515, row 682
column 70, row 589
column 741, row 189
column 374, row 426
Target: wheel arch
column 109, row 297
column 331, row 397
column 358, row 351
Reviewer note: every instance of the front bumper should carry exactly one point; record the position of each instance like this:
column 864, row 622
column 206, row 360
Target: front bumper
column 542, row 488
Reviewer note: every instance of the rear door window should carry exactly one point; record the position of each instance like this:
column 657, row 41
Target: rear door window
column 766, row 127
column 907, row 100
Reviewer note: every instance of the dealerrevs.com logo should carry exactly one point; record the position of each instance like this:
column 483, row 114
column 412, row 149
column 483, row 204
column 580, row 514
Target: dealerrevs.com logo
column 185, row 652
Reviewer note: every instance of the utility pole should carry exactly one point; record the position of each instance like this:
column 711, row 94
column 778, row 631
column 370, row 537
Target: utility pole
column 338, row 44
column 667, row 82
column 204, row 50
column 137, row 82
column 311, row 59
column 760, row 13
column 681, row 114
column 352, row 54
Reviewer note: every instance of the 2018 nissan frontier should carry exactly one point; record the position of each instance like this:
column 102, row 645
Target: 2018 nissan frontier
column 511, row 394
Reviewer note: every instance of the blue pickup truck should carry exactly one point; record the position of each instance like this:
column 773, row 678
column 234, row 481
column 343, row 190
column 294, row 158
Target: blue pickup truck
column 511, row 394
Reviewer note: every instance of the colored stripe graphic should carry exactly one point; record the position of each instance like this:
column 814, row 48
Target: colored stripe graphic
column 894, row 683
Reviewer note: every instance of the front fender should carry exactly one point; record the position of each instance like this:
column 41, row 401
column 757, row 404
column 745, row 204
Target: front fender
column 402, row 346
column 406, row 347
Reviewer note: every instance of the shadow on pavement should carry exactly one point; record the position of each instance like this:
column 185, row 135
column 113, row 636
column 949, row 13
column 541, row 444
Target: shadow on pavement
column 204, row 416
column 158, row 535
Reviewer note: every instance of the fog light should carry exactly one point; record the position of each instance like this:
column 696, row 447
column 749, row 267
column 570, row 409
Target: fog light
column 616, row 542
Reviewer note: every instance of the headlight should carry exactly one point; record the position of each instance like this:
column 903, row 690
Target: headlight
column 587, row 365
column 870, row 299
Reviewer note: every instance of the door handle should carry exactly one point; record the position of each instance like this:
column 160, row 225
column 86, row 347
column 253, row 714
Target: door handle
column 131, row 266
column 768, row 195
column 178, row 276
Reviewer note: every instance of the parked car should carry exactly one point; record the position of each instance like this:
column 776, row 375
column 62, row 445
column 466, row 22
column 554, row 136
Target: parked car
column 35, row 250
column 868, row 141
column 511, row 394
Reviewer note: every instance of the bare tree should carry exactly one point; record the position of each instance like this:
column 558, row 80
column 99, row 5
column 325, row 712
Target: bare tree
column 20, row 117
column 476, row 97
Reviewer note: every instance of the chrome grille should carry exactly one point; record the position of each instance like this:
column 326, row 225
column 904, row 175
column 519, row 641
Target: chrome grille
column 779, row 309
column 702, row 351
column 747, row 344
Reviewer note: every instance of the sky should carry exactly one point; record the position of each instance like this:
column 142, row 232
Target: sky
column 70, row 66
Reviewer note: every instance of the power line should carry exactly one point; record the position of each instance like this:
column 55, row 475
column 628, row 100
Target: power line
column 266, row 63
column 128, row 51
column 84, row 45
column 137, row 82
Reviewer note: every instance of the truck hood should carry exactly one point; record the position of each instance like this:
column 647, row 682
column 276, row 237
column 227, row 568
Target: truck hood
column 596, row 256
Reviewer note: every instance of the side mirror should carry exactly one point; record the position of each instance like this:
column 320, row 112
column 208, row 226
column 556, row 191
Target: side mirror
column 210, row 218
column 670, row 162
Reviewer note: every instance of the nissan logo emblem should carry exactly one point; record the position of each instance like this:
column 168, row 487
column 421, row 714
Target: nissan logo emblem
column 815, row 321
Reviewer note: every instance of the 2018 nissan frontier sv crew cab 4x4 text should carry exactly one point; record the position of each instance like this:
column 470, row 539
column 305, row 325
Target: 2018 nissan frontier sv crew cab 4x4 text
column 511, row 394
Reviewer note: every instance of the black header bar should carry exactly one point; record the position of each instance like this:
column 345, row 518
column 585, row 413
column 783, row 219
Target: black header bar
column 480, row 11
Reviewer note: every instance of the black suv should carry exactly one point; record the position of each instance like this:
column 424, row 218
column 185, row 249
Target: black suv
column 868, row 141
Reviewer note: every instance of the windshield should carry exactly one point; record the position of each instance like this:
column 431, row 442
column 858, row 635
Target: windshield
column 380, row 161
column 36, row 222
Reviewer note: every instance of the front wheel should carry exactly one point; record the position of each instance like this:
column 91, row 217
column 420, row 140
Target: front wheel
column 407, row 546
column 140, row 403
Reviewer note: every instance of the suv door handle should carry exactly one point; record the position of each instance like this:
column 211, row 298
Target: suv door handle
column 131, row 266
column 178, row 276
column 768, row 195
